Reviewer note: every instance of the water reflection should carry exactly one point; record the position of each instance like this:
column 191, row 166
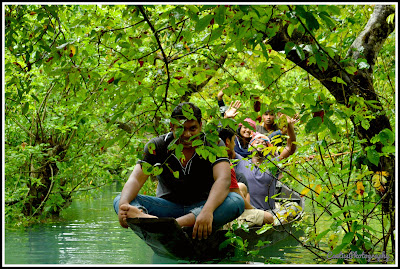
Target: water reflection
column 91, row 234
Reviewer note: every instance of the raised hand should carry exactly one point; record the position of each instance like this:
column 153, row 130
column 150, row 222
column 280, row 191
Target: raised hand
column 233, row 109
column 221, row 92
column 293, row 120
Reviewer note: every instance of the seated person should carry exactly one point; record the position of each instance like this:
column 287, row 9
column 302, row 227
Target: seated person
column 199, row 196
column 261, row 182
column 251, row 215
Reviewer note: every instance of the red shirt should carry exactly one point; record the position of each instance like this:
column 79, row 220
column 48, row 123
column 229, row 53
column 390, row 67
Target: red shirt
column 234, row 184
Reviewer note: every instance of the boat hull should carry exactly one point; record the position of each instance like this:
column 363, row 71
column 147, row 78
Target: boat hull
column 168, row 239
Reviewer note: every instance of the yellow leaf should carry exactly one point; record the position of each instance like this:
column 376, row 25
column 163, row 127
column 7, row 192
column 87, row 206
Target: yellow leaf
column 378, row 180
column 306, row 190
column 318, row 188
column 383, row 173
column 187, row 48
column 72, row 50
column 332, row 241
column 360, row 188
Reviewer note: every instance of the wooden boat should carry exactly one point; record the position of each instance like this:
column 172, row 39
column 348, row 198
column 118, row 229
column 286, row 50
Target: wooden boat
column 168, row 239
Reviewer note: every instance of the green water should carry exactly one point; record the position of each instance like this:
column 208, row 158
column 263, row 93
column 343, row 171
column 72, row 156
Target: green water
column 91, row 234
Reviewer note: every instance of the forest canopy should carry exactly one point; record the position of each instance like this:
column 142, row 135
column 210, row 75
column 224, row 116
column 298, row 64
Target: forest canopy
column 86, row 86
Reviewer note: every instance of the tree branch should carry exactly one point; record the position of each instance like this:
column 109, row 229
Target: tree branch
column 162, row 51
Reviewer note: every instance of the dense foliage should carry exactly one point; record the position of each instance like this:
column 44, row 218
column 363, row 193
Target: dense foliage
column 87, row 85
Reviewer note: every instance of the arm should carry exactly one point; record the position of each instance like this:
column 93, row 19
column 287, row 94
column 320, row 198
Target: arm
column 131, row 189
column 290, row 146
column 219, row 191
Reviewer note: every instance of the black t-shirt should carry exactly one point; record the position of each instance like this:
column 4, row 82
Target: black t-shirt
column 195, row 180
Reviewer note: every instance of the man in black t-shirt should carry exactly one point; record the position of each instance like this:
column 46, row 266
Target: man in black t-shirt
column 191, row 189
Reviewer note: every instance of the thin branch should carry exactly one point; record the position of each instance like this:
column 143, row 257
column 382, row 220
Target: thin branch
column 162, row 51
column 23, row 128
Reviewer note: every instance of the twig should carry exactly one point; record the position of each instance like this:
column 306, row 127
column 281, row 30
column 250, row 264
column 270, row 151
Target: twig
column 162, row 51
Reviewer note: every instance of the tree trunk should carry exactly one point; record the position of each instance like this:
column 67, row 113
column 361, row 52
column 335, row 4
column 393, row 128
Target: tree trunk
column 39, row 193
column 371, row 39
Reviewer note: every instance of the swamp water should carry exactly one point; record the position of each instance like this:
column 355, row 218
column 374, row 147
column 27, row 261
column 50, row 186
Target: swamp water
column 90, row 234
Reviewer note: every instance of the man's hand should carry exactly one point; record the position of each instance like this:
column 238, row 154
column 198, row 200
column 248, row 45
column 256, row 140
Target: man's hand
column 293, row 120
column 203, row 225
column 233, row 109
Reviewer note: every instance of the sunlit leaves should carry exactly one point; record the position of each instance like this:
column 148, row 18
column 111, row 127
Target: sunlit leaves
column 386, row 137
column 300, row 52
column 203, row 22
column 311, row 21
column 313, row 125
column 322, row 61
column 372, row 155
column 220, row 15
column 339, row 80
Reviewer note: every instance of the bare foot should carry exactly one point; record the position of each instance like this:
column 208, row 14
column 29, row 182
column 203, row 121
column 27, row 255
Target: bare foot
column 186, row 220
column 129, row 211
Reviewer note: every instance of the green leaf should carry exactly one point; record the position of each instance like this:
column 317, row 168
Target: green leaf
column 311, row 21
column 373, row 156
column 203, row 23
column 334, row 9
column 264, row 51
column 322, row 61
column 340, row 212
column 365, row 124
column 157, row 170
column 339, row 248
column 288, row 111
column 300, row 52
column 327, row 19
column 265, row 228
column 386, row 137
column 197, row 142
column 319, row 237
column 216, row 33
column 347, row 238
column 220, row 15
column 114, row 118
column 339, row 80
column 330, row 124
column 390, row 19
column 351, row 70
column 313, row 125
column 25, row 108
column 290, row 30
column 288, row 47
column 239, row 44
column 388, row 149
column 151, row 147
column 309, row 99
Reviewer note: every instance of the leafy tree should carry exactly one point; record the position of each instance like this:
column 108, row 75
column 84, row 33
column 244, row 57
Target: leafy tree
column 87, row 85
